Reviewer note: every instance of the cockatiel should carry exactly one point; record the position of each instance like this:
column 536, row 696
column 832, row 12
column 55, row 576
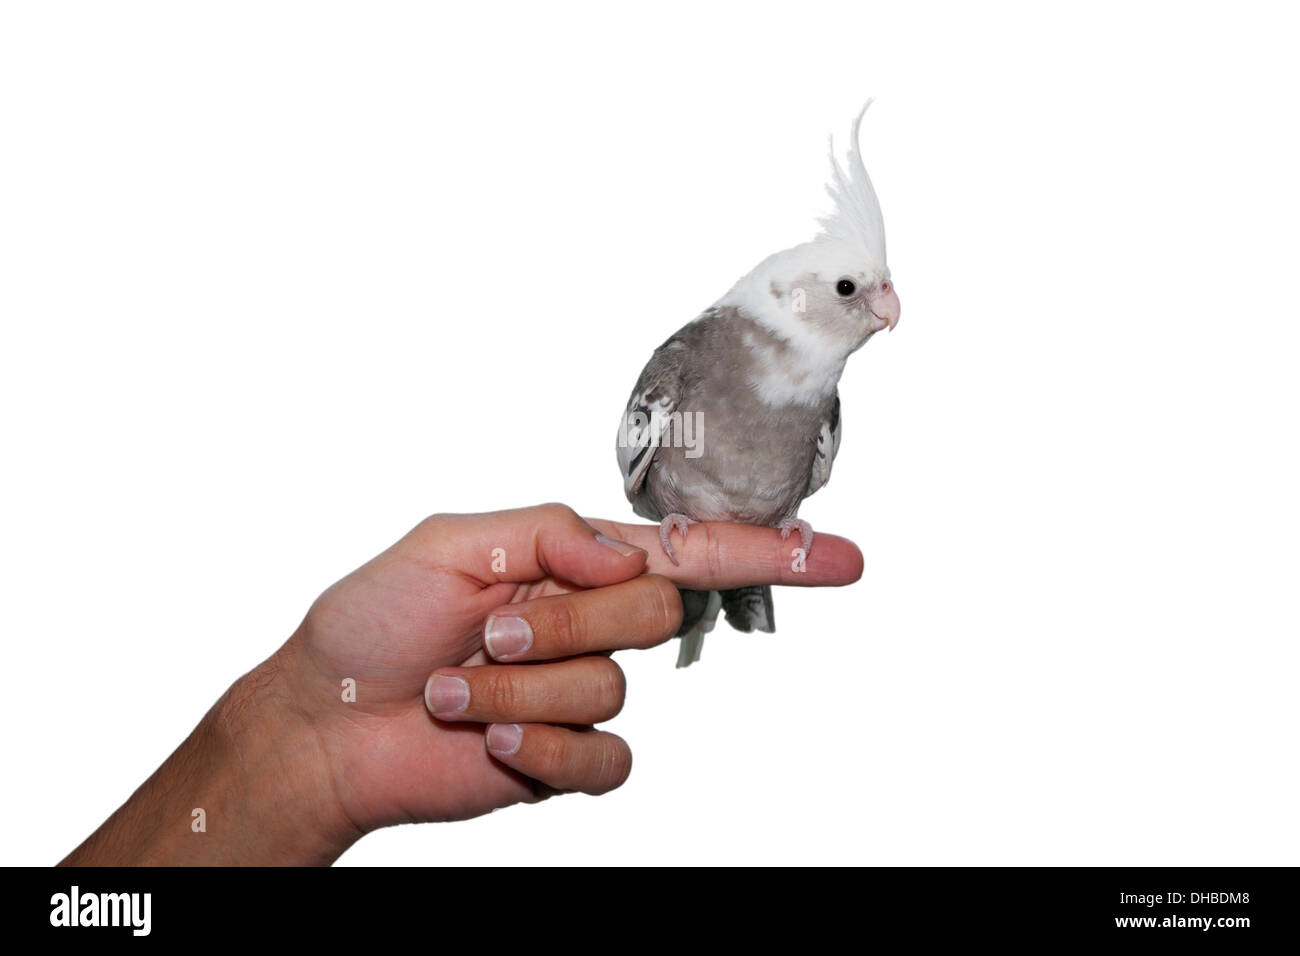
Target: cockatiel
column 737, row 416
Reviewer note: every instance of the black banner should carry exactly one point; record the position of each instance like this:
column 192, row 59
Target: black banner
column 358, row 907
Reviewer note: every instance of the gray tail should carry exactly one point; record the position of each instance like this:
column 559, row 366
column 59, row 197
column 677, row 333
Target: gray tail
column 699, row 614
column 748, row 609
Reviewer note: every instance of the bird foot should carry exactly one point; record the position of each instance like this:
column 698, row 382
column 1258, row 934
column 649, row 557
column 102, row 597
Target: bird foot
column 803, row 527
column 674, row 522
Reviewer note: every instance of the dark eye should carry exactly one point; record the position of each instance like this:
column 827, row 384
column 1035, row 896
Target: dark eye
column 845, row 287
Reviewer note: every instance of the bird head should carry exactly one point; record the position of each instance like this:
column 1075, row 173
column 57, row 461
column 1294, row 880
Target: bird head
column 831, row 294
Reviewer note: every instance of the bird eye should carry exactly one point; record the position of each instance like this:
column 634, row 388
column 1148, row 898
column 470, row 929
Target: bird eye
column 845, row 287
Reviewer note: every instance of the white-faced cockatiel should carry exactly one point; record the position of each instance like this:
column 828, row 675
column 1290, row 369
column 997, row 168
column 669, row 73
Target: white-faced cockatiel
column 737, row 416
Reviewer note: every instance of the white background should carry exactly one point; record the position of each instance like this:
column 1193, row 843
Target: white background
column 277, row 280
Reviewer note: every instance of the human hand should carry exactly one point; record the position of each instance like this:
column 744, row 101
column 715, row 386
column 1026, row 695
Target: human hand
column 450, row 720
column 421, row 609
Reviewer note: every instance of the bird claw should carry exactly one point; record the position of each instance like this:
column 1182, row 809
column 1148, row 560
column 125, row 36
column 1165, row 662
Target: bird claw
column 805, row 532
column 674, row 522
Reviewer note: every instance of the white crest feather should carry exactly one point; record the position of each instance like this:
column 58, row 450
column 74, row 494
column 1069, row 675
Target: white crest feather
column 856, row 221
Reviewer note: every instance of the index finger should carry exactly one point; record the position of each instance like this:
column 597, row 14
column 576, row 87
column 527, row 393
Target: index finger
column 718, row 555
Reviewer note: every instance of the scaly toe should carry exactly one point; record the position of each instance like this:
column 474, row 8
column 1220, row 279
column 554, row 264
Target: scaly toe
column 805, row 533
column 678, row 522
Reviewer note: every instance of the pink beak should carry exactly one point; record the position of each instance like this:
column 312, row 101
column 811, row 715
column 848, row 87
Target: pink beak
column 884, row 305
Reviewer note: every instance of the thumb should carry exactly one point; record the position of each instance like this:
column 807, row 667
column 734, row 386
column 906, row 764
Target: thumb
column 527, row 544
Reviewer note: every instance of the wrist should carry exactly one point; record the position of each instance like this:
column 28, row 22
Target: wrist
column 250, row 786
column 288, row 807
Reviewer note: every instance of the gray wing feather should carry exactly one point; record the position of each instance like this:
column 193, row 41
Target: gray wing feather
column 828, row 446
column 654, row 398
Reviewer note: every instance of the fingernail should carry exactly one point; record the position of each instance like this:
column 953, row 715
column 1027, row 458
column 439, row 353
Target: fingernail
column 504, row 739
column 622, row 547
column 507, row 636
column 446, row 695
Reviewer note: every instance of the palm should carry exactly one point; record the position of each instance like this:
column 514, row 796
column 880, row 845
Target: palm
column 388, row 626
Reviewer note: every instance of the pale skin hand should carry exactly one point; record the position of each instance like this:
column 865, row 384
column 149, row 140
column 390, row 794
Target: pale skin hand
column 287, row 772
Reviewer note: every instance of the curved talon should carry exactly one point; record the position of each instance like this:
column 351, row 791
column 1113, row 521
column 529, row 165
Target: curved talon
column 805, row 532
column 674, row 522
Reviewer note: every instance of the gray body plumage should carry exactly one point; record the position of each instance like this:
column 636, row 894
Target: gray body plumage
column 756, row 460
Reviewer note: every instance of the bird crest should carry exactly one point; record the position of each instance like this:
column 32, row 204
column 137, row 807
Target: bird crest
column 856, row 221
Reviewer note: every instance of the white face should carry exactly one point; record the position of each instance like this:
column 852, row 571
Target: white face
column 844, row 311
column 869, row 300
column 822, row 297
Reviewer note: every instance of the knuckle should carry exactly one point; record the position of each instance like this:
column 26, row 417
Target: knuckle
column 434, row 524
column 610, row 687
column 615, row 766
column 712, row 551
column 669, row 605
column 552, row 751
column 500, row 694
column 557, row 511
column 557, row 626
column 568, row 626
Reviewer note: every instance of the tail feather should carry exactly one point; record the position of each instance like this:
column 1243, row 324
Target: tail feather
column 699, row 614
column 750, row 609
